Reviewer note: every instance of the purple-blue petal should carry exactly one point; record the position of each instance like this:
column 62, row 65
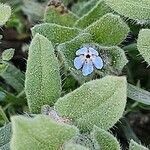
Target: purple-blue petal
column 98, row 62
column 87, row 68
column 78, row 62
column 82, row 51
column 93, row 51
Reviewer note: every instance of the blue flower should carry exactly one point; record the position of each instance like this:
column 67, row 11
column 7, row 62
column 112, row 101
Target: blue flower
column 88, row 59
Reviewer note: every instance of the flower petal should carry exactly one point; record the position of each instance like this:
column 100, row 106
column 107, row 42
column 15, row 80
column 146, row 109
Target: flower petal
column 98, row 62
column 87, row 68
column 93, row 51
column 78, row 62
column 82, row 51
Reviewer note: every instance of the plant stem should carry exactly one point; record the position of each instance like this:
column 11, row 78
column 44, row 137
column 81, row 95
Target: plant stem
column 2, row 113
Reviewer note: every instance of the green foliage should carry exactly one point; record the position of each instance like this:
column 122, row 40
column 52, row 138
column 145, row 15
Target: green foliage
column 94, row 14
column 87, row 104
column 2, row 96
column 143, row 44
column 10, row 99
column 16, row 22
column 43, row 81
column 135, row 146
column 72, row 146
column 33, row 9
column 3, row 67
column 55, row 32
column 40, row 132
column 84, row 7
column 5, row 135
column 138, row 94
column 77, row 7
column 66, row 2
column 5, row 147
column 10, row 2
column 86, row 101
column 3, row 118
column 118, row 57
column 109, row 30
column 57, row 13
column 8, row 54
column 5, row 13
column 69, row 48
column 114, row 57
column 134, row 9
column 13, row 77
column 106, row 140
column 86, row 140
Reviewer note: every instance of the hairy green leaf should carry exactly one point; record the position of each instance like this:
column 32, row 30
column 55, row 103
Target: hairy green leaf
column 109, row 30
column 66, row 2
column 5, row 13
column 72, row 146
column 3, row 67
column 69, row 48
column 134, row 9
column 135, row 146
column 40, row 132
column 33, row 9
column 2, row 96
column 94, row 14
column 113, row 57
column 8, row 54
column 55, row 33
column 86, row 140
column 143, row 44
column 114, row 60
column 3, row 116
column 5, row 147
column 99, row 102
column 5, row 134
column 118, row 57
column 14, row 77
column 57, row 13
column 138, row 94
column 85, row 7
column 43, row 81
column 106, row 140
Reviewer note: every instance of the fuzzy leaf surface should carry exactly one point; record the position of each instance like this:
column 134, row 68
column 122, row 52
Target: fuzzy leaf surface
column 94, row 14
column 109, row 30
column 5, row 134
column 13, row 76
column 134, row 9
column 43, row 81
column 69, row 48
column 55, row 33
column 57, row 13
column 85, row 7
column 106, row 140
column 72, row 146
column 33, row 10
column 99, row 102
column 143, row 44
column 138, row 94
column 114, row 60
column 135, row 146
column 5, row 13
column 8, row 54
column 86, row 140
column 5, row 147
column 113, row 57
column 40, row 132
